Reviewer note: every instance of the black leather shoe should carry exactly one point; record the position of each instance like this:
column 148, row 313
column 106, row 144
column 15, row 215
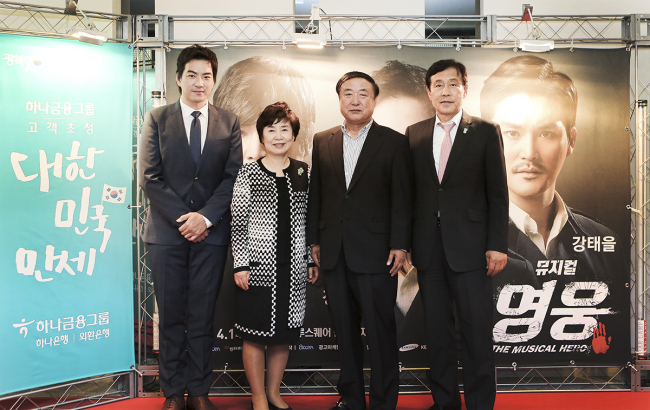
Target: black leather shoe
column 274, row 407
column 340, row 405
column 200, row 403
column 174, row 403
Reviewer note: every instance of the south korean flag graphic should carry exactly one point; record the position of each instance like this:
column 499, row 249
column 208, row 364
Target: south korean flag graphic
column 113, row 194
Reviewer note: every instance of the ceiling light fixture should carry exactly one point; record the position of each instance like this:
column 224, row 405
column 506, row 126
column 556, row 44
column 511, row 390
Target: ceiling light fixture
column 536, row 46
column 88, row 35
column 309, row 38
column 311, row 41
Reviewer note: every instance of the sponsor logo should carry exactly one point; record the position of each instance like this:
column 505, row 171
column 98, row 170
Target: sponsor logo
column 28, row 62
column 406, row 348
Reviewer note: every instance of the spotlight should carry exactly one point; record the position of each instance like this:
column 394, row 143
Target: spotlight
column 89, row 36
column 305, row 40
column 310, row 38
column 537, row 46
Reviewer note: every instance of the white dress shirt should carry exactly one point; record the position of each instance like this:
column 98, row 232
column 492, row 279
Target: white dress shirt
column 187, row 111
column 528, row 226
column 351, row 149
column 439, row 135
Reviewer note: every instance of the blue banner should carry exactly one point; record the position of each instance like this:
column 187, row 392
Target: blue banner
column 66, row 300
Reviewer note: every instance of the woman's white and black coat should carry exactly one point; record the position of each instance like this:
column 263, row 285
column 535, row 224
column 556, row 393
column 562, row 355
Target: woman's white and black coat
column 254, row 244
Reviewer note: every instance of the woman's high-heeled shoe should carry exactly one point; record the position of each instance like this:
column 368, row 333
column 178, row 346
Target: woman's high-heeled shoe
column 274, row 407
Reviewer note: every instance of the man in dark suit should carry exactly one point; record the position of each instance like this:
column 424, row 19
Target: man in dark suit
column 359, row 221
column 460, row 236
column 189, row 156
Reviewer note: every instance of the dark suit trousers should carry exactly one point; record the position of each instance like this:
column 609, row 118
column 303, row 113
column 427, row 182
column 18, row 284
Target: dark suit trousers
column 351, row 296
column 471, row 291
column 187, row 279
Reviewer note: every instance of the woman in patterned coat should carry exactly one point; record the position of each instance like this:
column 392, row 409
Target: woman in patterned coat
column 270, row 253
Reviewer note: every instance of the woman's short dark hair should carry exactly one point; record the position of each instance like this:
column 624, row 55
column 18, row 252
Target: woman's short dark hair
column 274, row 113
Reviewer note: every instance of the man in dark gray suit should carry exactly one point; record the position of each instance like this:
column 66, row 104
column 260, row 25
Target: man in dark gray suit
column 460, row 236
column 359, row 223
column 189, row 156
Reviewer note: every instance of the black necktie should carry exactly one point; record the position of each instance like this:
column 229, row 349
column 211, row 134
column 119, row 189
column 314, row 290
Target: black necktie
column 195, row 138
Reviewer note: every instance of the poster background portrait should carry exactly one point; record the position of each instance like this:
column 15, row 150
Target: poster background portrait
column 593, row 180
column 66, row 300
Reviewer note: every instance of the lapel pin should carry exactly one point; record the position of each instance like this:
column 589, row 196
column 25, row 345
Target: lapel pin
column 464, row 130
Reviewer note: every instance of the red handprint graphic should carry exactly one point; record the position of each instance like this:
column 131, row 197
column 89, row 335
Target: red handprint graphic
column 600, row 341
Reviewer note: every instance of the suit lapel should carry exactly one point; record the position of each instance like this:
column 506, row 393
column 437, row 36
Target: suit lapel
column 335, row 143
column 179, row 133
column 372, row 143
column 213, row 121
column 427, row 146
column 463, row 135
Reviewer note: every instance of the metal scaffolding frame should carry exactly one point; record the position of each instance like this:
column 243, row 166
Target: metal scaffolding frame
column 79, row 394
column 428, row 31
column 629, row 31
column 640, row 190
column 34, row 20
column 605, row 30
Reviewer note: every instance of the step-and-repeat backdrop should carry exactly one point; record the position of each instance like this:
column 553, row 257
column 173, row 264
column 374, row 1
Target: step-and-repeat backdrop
column 66, row 300
column 559, row 300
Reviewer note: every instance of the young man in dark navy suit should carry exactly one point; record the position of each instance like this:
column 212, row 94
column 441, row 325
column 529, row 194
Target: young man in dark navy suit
column 189, row 156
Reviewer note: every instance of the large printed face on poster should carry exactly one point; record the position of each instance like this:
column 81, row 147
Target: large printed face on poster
column 563, row 294
column 563, row 116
